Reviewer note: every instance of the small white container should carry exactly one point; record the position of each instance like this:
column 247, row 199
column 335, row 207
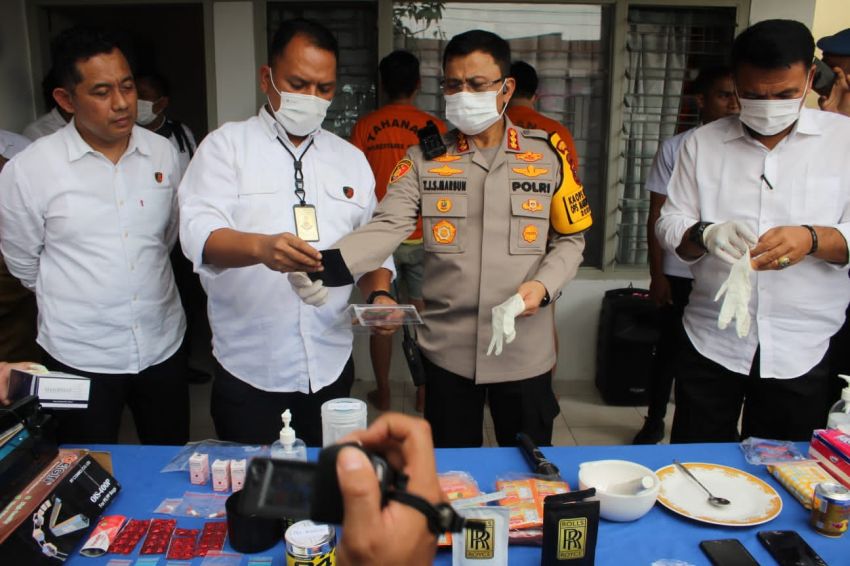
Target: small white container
column 340, row 417
column 612, row 478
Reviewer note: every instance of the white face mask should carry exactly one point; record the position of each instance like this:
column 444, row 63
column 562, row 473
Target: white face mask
column 769, row 117
column 473, row 112
column 144, row 112
column 299, row 114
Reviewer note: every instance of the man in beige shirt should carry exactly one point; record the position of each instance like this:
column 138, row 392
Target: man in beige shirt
column 502, row 215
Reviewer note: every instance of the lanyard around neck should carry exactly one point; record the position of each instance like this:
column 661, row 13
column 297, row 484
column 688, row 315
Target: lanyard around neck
column 299, row 173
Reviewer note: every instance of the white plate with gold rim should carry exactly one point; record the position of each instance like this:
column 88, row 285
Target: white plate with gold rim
column 753, row 501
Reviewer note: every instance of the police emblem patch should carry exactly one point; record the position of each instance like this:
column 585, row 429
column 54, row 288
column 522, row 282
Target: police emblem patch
column 444, row 232
column 444, row 205
column 158, row 176
column 348, row 192
column 401, row 169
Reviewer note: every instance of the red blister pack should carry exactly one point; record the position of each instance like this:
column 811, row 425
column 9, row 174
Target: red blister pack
column 182, row 545
column 129, row 536
column 159, row 535
column 212, row 538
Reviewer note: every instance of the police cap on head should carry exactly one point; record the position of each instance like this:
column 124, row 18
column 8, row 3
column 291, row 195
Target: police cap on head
column 838, row 44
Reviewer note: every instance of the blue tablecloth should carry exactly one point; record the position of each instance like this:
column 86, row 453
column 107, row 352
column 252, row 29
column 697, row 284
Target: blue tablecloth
column 659, row 534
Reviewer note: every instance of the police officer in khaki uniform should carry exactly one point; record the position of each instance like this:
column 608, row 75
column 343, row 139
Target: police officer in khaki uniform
column 502, row 215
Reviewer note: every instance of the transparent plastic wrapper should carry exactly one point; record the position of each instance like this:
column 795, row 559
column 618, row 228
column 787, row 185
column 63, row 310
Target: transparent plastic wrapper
column 216, row 450
column 167, row 506
column 364, row 318
column 218, row 558
column 762, row 451
column 201, row 505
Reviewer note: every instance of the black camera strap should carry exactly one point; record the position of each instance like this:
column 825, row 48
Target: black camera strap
column 441, row 517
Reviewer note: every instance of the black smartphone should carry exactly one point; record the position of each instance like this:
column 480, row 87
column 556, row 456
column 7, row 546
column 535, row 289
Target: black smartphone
column 789, row 549
column 727, row 552
column 824, row 78
column 336, row 273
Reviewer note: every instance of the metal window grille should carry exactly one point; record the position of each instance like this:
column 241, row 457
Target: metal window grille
column 665, row 48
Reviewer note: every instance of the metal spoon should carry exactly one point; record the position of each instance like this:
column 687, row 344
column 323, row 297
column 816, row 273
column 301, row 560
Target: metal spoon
column 716, row 501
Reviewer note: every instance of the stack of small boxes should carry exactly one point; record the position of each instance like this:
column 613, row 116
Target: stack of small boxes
column 227, row 475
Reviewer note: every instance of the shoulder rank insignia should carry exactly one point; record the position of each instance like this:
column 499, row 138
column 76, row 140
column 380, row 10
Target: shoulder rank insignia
column 530, row 171
column 445, row 171
column 529, row 157
column 513, row 140
column 401, row 169
column 447, row 158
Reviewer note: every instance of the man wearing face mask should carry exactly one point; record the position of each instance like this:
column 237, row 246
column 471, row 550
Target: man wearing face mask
column 153, row 102
column 502, row 220
column 254, row 194
column 773, row 183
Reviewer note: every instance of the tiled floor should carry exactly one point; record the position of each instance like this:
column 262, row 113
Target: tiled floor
column 584, row 420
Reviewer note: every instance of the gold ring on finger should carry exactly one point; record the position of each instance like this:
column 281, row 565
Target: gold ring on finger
column 783, row 262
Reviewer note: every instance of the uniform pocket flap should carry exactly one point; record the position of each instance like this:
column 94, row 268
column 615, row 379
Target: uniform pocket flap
column 453, row 206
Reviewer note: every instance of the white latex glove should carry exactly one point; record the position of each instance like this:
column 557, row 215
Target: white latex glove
column 737, row 289
column 503, row 319
column 728, row 240
column 314, row 293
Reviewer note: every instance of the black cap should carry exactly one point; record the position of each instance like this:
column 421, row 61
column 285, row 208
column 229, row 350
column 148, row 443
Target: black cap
column 838, row 44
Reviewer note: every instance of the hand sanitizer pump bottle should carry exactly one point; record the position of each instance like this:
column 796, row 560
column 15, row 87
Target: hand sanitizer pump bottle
column 289, row 447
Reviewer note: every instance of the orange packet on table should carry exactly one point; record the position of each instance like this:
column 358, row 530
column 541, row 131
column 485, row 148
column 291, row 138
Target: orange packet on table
column 519, row 498
column 525, row 499
column 456, row 485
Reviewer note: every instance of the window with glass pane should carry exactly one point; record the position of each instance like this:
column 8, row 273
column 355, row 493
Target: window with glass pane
column 568, row 44
column 355, row 26
column 665, row 48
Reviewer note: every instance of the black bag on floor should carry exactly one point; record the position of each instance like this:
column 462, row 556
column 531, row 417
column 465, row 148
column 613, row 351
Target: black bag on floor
column 628, row 334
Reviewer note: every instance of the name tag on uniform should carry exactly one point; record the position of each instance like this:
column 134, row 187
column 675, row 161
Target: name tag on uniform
column 306, row 222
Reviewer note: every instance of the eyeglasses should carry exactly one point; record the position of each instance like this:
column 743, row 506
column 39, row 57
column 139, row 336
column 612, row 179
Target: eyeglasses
column 452, row 86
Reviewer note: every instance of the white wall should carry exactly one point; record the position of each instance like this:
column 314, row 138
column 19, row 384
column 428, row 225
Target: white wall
column 236, row 68
column 801, row 10
column 17, row 108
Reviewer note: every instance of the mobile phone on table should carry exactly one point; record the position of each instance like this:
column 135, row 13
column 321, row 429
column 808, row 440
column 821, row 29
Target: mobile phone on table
column 789, row 549
column 727, row 552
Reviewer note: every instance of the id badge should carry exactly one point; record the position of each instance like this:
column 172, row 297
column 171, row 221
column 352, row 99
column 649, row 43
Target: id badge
column 306, row 222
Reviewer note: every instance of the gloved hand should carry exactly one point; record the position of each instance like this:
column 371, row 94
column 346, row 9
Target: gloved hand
column 504, row 329
column 313, row 293
column 737, row 289
column 728, row 240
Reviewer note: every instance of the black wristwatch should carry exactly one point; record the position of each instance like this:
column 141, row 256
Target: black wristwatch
column 378, row 293
column 546, row 299
column 696, row 234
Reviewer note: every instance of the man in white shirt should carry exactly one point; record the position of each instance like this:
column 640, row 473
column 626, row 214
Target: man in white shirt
column 87, row 218
column 54, row 119
column 671, row 278
column 153, row 102
column 252, row 188
column 774, row 182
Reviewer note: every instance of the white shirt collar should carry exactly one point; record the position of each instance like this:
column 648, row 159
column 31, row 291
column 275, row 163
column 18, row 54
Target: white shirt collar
column 78, row 147
column 805, row 124
column 274, row 130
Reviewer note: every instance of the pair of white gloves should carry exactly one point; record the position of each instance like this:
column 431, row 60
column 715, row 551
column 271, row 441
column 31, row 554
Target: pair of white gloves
column 731, row 242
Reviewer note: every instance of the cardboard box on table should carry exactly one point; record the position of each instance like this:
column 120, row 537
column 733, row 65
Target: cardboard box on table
column 47, row 520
